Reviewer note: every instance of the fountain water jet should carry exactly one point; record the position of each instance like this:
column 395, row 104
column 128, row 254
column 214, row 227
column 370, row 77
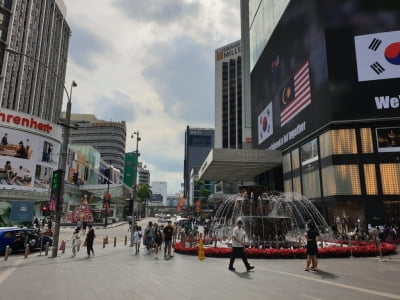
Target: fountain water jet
column 274, row 219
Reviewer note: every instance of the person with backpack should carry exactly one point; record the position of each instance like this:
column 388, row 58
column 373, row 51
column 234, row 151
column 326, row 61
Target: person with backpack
column 168, row 232
column 149, row 233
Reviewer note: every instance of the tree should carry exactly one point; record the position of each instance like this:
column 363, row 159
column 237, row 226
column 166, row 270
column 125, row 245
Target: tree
column 144, row 193
column 204, row 193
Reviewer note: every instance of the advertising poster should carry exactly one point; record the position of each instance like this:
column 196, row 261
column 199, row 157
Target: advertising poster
column 388, row 139
column 27, row 159
column 156, row 198
column 309, row 152
column 363, row 51
column 323, row 65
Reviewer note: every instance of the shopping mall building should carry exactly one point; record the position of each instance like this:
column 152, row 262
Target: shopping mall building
column 325, row 91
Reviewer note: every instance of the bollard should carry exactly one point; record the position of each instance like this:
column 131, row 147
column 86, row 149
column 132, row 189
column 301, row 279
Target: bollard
column 106, row 239
column 46, row 252
column 104, row 242
column 126, row 240
column 7, row 252
column 115, row 241
column 41, row 246
column 62, row 246
column 26, row 250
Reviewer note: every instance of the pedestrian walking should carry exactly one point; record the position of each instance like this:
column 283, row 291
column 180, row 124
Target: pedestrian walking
column 75, row 238
column 79, row 224
column 137, row 237
column 90, row 236
column 84, row 225
column 36, row 223
column 49, row 224
column 157, row 240
column 238, row 238
column 311, row 247
column 149, row 233
column 168, row 233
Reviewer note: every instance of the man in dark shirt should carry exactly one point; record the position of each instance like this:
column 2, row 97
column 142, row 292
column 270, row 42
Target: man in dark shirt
column 168, row 233
column 21, row 152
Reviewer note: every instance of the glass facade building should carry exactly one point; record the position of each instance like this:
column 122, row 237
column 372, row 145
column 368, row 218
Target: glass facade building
column 326, row 103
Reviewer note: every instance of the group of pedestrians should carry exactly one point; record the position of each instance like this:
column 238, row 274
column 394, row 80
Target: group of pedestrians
column 154, row 238
column 238, row 247
column 88, row 242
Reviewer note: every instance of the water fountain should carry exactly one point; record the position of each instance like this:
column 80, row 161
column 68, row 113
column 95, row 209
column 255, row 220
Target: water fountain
column 275, row 224
column 273, row 219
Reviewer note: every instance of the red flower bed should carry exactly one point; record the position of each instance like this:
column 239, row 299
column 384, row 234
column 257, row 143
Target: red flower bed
column 326, row 252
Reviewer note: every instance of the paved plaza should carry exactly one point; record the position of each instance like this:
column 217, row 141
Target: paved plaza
column 117, row 273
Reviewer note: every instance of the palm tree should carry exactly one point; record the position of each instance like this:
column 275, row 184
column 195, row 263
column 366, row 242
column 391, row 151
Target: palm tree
column 144, row 193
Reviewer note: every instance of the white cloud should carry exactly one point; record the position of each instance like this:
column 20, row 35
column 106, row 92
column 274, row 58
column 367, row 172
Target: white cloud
column 149, row 63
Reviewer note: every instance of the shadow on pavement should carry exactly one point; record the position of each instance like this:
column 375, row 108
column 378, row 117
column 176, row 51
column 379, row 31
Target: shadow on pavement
column 325, row 275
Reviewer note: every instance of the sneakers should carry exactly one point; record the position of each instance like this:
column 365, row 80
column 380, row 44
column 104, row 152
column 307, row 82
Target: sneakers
column 231, row 269
column 250, row 268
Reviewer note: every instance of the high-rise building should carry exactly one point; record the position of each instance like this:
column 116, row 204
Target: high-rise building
column 106, row 137
column 33, row 83
column 144, row 174
column 32, row 74
column 228, row 97
column 159, row 190
column 198, row 143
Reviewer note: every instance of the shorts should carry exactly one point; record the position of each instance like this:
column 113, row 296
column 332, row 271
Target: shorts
column 168, row 243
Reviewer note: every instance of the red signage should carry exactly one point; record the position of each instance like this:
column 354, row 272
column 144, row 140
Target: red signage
column 27, row 122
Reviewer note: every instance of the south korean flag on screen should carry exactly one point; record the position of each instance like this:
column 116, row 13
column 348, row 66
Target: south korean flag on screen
column 265, row 127
column 378, row 55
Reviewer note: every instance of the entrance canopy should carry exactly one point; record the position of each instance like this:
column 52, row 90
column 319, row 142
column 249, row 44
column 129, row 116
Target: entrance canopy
column 238, row 164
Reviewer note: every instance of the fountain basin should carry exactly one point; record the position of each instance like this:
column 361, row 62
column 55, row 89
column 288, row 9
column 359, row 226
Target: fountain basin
column 362, row 250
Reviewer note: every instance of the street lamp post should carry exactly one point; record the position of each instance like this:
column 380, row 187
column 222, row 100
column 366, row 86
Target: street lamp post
column 61, row 165
column 135, row 184
column 63, row 159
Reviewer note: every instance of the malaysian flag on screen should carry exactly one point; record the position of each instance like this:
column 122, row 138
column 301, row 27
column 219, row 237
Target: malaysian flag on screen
column 296, row 94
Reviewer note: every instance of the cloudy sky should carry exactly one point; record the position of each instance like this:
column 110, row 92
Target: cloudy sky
column 149, row 63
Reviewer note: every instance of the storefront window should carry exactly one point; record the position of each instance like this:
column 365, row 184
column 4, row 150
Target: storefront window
column 390, row 176
column 287, row 186
column 295, row 159
column 366, row 140
column 336, row 142
column 286, row 163
column 297, row 185
column 341, row 180
column 370, row 179
column 311, row 185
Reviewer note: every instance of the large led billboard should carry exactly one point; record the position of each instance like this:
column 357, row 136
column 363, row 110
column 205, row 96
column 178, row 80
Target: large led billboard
column 289, row 82
column 29, row 151
column 326, row 61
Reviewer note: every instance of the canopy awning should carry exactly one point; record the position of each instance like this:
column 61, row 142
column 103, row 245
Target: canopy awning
column 238, row 164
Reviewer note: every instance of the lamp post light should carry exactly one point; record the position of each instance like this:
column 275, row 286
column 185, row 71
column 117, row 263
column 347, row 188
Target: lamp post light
column 135, row 184
column 63, row 159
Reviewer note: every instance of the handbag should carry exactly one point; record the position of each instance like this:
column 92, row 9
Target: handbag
column 84, row 243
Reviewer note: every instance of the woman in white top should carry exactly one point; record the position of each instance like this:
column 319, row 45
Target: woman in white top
column 137, row 237
column 76, row 239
